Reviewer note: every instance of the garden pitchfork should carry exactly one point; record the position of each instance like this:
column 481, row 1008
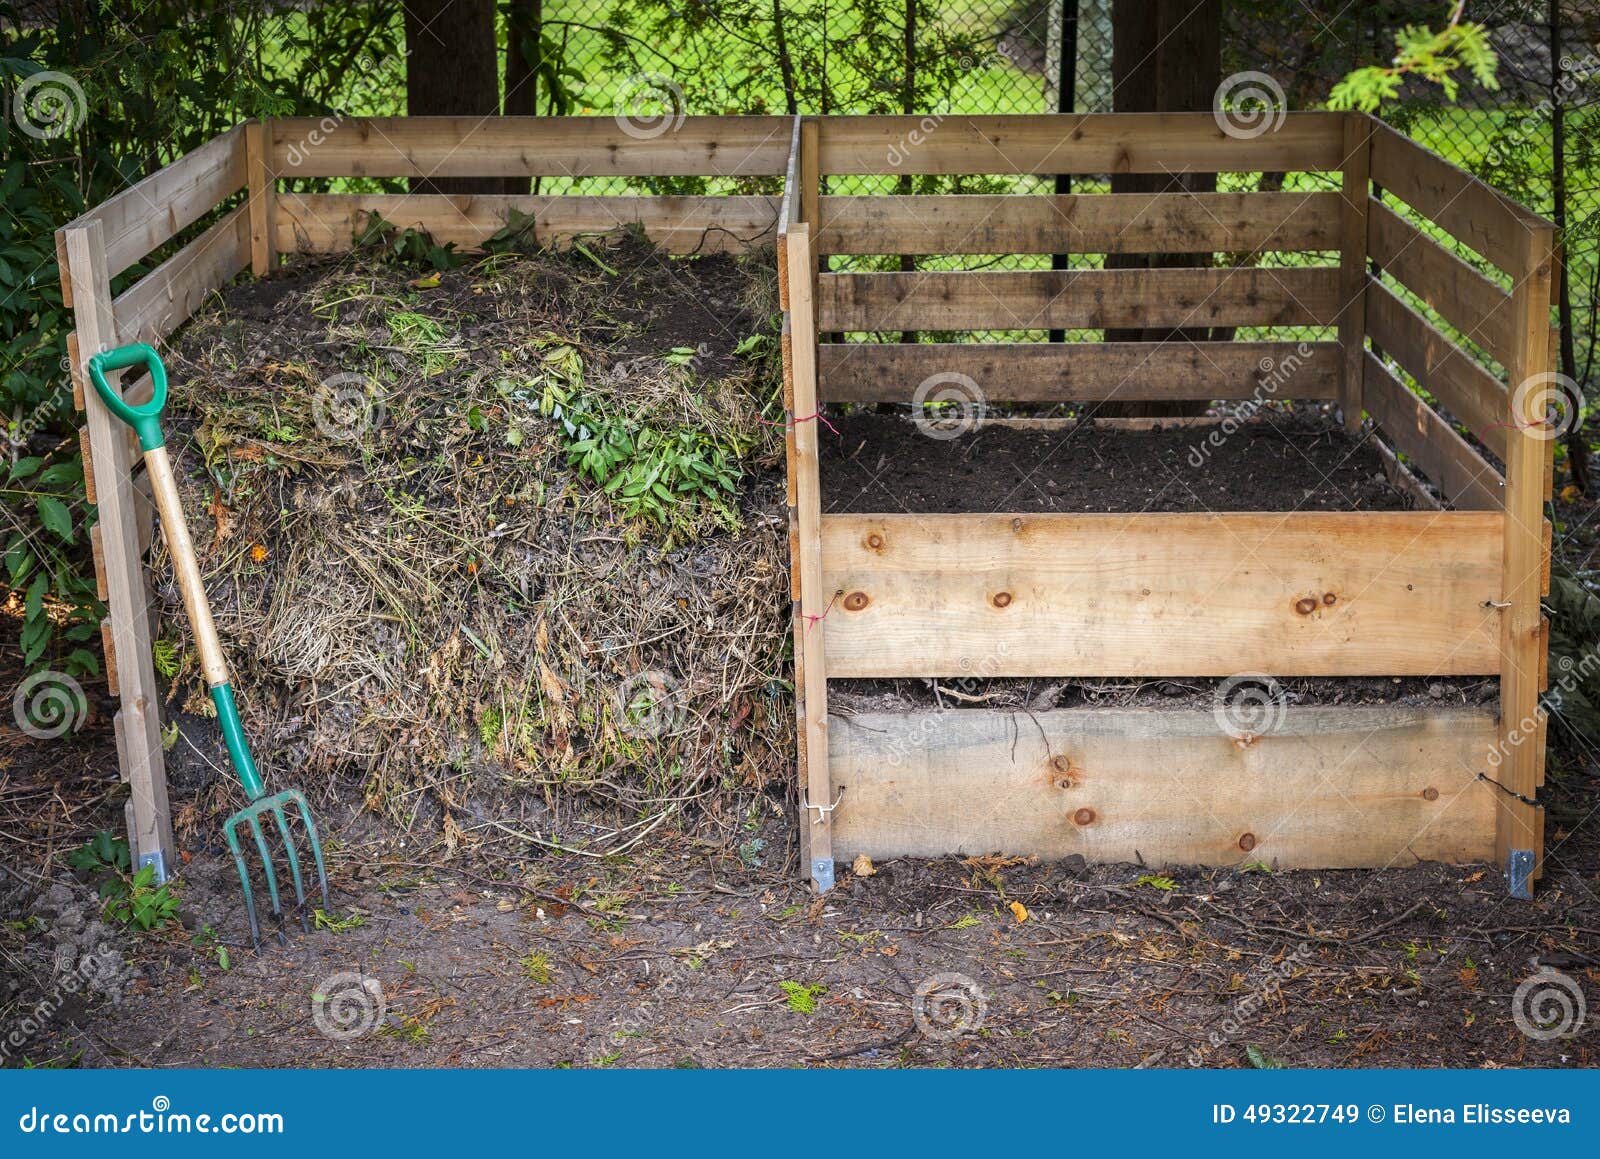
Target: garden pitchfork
column 145, row 419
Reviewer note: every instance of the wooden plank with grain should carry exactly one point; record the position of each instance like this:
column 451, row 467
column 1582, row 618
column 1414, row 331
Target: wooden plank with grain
column 1323, row 787
column 1203, row 594
column 1430, row 443
column 165, row 298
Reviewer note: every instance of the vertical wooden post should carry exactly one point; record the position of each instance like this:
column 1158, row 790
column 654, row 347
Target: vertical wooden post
column 1357, row 170
column 1519, row 831
column 263, row 196
column 808, row 175
column 812, row 606
column 128, row 661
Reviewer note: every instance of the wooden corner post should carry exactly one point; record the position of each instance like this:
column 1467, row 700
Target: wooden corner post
column 130, row 667
column 1519, row 829
column 263, row 187
column 1356, row 189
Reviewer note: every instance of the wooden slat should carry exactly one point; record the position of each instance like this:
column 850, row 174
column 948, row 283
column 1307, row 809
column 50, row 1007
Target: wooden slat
column 815, row 599
column 1329, row 787
column 1521, row 772
column 137, row 723
column 153, row 211
column 1461, row 295
column 1163, row 594
column 327, row 222
column 1084, row 371
column 162, row 300
column 1463, row 387
column 1353, row 199
column 1090, row 223
column 1069, row 299
column 1074, row 143
column 263, row 185
column 528, row 146
column 1472, row 212
column 1430, row 443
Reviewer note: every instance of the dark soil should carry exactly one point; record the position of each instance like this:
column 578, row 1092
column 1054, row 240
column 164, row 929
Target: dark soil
column 1275, row 462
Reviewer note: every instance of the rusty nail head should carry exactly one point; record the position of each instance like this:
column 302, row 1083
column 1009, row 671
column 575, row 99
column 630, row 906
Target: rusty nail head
column 855, row 601
column 875, row 541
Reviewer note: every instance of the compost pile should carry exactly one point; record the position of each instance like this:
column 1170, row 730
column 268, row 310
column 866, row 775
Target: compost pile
column 503, row 544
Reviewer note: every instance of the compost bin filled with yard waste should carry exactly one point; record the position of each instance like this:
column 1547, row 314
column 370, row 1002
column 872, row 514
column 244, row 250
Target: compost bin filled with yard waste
column 499, row 548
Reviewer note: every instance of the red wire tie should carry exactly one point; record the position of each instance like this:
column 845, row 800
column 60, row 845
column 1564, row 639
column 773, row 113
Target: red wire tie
column 813, row 621
column 805, row 419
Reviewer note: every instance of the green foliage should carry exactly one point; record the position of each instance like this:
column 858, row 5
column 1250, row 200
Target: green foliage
column 132, row 899
column 1435, row 57
column 409, row 247
column 800, row 998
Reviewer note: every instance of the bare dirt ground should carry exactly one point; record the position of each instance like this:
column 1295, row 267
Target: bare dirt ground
column 687, row 955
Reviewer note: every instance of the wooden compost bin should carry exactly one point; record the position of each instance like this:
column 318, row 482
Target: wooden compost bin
column 1441, row 591
column 1449, row 592
column 235, row 179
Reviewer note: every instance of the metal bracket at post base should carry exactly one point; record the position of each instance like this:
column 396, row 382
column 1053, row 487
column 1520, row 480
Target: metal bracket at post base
column 822, row 873
column 1519, row 874
column 158, row 859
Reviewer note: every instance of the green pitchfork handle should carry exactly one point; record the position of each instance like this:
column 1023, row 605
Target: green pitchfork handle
column 145, row 419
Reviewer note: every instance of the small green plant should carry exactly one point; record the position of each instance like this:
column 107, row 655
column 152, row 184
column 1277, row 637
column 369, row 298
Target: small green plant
column 802, row 999
column 323, row 920
column 164, row 653
column 131, row 899
column 209, row 942
column 1154, row 881
column 410, row 247
column 536, row 967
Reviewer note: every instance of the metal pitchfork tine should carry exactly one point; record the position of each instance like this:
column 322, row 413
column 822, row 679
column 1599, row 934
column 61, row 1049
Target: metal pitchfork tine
column 145, row 420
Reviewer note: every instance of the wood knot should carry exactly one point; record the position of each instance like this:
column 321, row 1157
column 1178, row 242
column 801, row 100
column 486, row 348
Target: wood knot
column 855, row 601
column 1016, row 525
column 1306, row 606
column 1062, row 770
column 1247, row 842
column 1329, row 598
column 1083, row 817
column 1430, row 794
column 1001, row 599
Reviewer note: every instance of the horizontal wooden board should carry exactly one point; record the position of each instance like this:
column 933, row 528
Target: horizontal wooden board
column 1083, row 371
column 1070, row 299
column 1461, row 295
column 1429, row 443
column 1461, row 384
column 326, row 222
column 152, row 212
column 1075, row 143
column 1204, row 594
column 1328, row 787
column 162, row 300
column 527, row 146
column 1090, row 223
column 1475, row 214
